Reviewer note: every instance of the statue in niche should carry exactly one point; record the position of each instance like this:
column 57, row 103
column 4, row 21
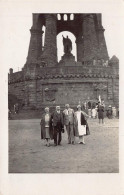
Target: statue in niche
column 67, row 43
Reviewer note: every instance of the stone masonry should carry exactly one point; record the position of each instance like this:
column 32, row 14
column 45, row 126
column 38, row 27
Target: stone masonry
column 45, row 81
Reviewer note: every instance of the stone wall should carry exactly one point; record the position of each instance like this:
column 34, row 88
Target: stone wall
column 39, row 90
column 17, row 89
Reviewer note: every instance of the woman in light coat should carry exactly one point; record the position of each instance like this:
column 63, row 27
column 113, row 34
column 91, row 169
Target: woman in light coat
column 81, row 125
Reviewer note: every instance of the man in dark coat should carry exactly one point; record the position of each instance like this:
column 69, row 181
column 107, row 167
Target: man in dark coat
column 68, row 117
column 58, row 127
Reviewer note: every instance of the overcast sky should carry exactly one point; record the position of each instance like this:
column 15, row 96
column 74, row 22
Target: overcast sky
column 17, row 20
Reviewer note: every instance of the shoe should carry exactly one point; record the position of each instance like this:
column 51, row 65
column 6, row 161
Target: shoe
column 81, row 142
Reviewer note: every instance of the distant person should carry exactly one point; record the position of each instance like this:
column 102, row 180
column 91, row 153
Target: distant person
column 16, row 108
column 9, row 114
column 100, row 110
column 58, row 126
column 117, row 112
column 81, row 124
column 89, row 109
column 46, row 127
column 109, row 112
column 114, row 112
column 68, row 117
column 84, row 107
column 96, row 111
column 93, row 113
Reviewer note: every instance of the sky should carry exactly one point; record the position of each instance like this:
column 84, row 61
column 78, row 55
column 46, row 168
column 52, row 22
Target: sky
column 17, row 21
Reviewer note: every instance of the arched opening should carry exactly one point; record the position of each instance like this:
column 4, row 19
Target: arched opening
column 65, row 16
column 43, row 37
column 58, row 16
column 60, row 48
column 72, row 17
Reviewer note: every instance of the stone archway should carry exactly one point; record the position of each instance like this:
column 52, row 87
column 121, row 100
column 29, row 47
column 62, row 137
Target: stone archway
column 60, row 50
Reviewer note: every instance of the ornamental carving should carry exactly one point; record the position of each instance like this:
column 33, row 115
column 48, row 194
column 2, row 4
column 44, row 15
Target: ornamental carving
column 50, row 94
column 100, row 86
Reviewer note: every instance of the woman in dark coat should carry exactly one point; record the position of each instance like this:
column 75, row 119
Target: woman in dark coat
column 100, row 110
column 46, row 127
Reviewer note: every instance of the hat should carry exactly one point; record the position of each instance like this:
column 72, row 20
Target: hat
column 66, row 105
column 110, row 106
column 79, row 106
column 46, row 108
column 57, row 107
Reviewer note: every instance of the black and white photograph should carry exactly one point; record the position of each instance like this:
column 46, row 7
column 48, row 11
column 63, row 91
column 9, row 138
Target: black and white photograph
column 62, row 90
column 63, row 114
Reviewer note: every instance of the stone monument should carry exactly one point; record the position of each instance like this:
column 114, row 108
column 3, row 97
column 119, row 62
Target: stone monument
column 45, row 81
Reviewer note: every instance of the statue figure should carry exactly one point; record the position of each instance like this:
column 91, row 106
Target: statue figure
column 67, row 45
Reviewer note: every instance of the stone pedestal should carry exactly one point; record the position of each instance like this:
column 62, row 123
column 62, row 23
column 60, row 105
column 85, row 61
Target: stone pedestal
column 67, row 60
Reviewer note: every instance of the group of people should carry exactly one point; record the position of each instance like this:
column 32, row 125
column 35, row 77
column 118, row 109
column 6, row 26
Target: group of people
column 111, row 112
column 53, row 125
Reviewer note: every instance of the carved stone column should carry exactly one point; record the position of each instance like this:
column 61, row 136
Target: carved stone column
column 50, row 47
column 80, row 48
column 103, row 53
column 89, row 37
column 35, row 47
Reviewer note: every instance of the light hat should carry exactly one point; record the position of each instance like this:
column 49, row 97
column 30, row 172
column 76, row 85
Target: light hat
column 57, row 107
column 47, row 108
column 79, row 106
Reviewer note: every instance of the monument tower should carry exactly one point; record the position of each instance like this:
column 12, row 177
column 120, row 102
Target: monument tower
column 45, row 81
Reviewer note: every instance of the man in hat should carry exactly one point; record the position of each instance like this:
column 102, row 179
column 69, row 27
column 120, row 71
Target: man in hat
column 68, row 115
column 58, row 128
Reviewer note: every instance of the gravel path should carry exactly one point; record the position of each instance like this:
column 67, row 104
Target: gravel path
column 27, row 153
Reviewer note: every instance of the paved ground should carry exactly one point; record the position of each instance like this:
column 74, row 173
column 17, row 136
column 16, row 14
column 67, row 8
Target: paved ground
column 27, row 153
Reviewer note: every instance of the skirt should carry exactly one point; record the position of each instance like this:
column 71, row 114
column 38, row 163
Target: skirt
column 47, row 132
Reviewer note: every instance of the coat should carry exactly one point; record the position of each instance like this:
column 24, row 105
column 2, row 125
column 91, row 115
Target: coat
column 57, row 120
column 68, row 117
column 100, row 111
column 42, row 123
column 84, row 117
